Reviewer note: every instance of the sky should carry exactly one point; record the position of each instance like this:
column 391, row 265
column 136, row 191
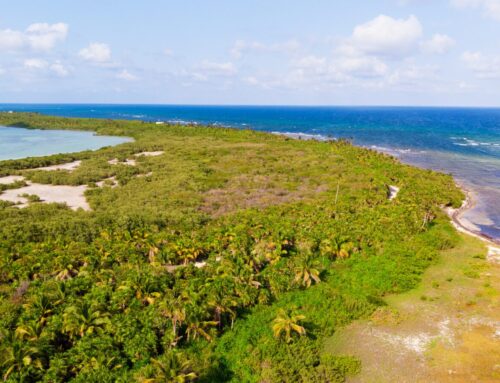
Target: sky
column 260, row 52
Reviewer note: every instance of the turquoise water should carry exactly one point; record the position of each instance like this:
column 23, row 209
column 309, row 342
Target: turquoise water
column 462, row 141
column 20, row 143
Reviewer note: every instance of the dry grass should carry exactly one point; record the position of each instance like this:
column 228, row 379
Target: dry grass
column 258, row 191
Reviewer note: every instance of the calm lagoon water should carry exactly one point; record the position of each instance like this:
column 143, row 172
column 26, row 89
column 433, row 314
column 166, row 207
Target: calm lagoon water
column 20, row 143
column 462, row 141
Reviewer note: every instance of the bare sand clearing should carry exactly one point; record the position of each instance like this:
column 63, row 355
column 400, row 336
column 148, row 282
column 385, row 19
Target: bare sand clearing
column 111, row 181
column 115, row 161
column 10, row 180
column 70, row 166
column 133, row 162
column 149, row 154
column 73, row 196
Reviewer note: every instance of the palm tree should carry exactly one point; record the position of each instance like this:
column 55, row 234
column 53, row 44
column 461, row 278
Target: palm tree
column 307, row 271
column 196, row 324
column 220, row 299
column 172, row 367
column 18, row 356
column 83, row 319
column 337, row 247
column 30, row 331
column 42, row 305
column 173, row 308
column 286, row 323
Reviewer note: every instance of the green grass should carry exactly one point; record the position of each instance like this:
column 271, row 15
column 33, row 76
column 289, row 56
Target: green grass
column 97, row 292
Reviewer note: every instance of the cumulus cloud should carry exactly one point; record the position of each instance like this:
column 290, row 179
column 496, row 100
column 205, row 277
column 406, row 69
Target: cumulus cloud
column 484, row 66
column 490, row 8
column 438, row 44
column 59, row 69
column 362, row 66
column 384, row 36
column 44, row 37
column 38, row 37
column 97, row 53
column 126, row 75
column 37, row 65
column 380, row 53
column 412, row 75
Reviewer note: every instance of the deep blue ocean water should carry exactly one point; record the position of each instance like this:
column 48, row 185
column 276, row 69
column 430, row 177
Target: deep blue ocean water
column 462, row 141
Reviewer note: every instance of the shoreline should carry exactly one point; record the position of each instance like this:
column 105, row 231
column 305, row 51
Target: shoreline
column 455, row 215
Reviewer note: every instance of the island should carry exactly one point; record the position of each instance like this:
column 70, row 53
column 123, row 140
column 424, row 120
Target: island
column 207, row 254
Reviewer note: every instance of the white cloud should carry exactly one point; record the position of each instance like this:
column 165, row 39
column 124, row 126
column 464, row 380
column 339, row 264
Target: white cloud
column 339, row 69
column 98, row 53
column 484, row 66
column 126, row 75
column 35, row 64
column 11, row 40
column 362, row 66
column 438, row 44
column 241, row 47
column 43, row 36
column 59, row 69
column 168, row 52
column 490, row 8
column 384, row 36
column 412, row 75
column 44, row 67
column 39, row 37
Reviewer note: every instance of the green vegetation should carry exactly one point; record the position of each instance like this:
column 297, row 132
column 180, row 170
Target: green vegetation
column 457, row 321
column 230, row 257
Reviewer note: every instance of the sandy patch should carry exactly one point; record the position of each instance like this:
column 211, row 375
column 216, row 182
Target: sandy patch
column 115, row 161
column 10, row 180
column 111, row 181
column 70, row 166
column 393, row 192
column 150, row 154
column 144, row 175
column 494, row 254
column 73, row 196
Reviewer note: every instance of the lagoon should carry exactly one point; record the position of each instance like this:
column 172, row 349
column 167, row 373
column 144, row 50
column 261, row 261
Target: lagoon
column 18, row 143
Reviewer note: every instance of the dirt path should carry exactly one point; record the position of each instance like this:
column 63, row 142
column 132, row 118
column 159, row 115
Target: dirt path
column 446, row 330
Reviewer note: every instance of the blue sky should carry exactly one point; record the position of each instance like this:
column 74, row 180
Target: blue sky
column 316, row 52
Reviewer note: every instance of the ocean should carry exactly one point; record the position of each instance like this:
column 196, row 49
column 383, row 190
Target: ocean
column 462, row 141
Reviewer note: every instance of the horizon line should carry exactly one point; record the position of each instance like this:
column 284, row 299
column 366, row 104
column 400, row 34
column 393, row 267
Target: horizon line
column 260, row 105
